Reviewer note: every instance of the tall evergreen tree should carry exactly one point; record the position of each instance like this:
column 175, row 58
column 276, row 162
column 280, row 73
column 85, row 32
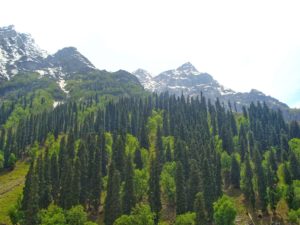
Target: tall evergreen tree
column 47, row 198
column 138, row 159
column 32, row 205
column 154, row 188
column 129, row 193
column 201, row 218
column 160, row 157
column 76, row 184
column 208, row 189
column 97, row 179
column 66, row 198
column 294, row 166
column 112, row 207
column 287, row 174
column 193, row 185
column 119, row 154
column 261, row 181
column 168, row 153
column 235, row 172
column 248, row 185
column 54, row 177
column 180, row 190
column 82, row 157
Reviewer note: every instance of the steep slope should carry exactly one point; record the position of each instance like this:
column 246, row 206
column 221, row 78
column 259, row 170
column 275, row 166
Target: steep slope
column 145, row 79
column 18, row 53
column 25, row 68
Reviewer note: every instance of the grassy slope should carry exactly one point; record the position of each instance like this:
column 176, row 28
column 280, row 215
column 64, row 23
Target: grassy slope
column 11, row 186
column 244, row 212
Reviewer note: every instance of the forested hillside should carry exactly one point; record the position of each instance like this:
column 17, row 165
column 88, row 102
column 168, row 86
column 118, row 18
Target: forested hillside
column 155, row 159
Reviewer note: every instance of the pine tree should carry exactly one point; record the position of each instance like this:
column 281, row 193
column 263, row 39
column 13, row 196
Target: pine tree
column 112, row 207
column 71, row 146
column 97, row 179
column 54, row 177
column 129, row 193
column 287, row 174
column 27, row 186
column 41, row 181
column 208, row 189
column 2, row 139
column 32, row 205
column 180, row 190
column 160, row 157
column 82, row 157
column 248, row 186
column 62, row 157
column 66, row 198
column 193, row 184
column 154, row 188
column 138, row 159
column 7, row 148
column 144, row 139
column 118, row 154
column 76, row 184
column 201, row 218
column 290, row 197
column 261, row 181
column 294, row 166
column 273, row 197
column 235, row 172
column 47, row 198
column 168, row 153
column 218, row 177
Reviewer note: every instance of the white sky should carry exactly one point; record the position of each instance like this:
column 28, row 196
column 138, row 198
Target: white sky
column 242, row 44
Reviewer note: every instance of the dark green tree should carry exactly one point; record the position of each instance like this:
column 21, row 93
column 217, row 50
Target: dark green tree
column 235, row 172
column 168, row 153
column 129, row 193
column 248, row 185
column 138, row 159
column 154, row 188
column 32, row 205
column 180, row 190
column 193, row 185
column 294, row 166
column 201, row 217
column 54, row 177
column 112, row 207
column 261, row 181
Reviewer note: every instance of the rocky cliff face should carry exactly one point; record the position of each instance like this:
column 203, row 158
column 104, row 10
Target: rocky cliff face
column 19, row 53
column 187, row 80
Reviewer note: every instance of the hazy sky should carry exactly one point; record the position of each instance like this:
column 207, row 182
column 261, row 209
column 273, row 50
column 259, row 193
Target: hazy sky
column 242, row 44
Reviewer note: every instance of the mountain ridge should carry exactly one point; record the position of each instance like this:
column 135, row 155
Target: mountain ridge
column 20, row 54
column 187, row 80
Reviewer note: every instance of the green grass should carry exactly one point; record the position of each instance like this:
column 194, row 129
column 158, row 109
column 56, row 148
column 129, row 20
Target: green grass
column 11, row 186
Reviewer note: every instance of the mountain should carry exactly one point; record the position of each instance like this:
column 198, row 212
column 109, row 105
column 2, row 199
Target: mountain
column 145, row 79
column 25, row 68
column 20, row 53
column 187, row 80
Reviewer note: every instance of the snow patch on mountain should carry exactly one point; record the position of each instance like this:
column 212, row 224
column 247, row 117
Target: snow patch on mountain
column 187, row 80
column 62, row 85
column 19, row 53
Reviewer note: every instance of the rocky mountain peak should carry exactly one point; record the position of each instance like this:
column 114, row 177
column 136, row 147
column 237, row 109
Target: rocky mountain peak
column 145, row 78
column 7, row 32
column 188, row 69
column 141, row 73
column 70, row 60
column 188, row 80
column 19, row 53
